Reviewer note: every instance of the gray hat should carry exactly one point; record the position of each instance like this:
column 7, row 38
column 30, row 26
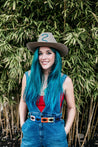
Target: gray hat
column 46, row 39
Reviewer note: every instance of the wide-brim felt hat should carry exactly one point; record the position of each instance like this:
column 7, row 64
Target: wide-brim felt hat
column 46, row 39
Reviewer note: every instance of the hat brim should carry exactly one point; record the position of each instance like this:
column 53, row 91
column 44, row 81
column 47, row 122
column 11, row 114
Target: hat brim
column 61, row 48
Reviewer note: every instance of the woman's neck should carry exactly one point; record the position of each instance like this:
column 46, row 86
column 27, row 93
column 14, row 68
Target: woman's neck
column 46, row 74
column 44, row 83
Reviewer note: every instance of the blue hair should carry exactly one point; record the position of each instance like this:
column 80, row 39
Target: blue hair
column 33, row 85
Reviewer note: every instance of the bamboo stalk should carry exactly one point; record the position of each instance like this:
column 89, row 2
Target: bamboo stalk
column 96, row 121
column 82, row 120
column 91, row 107
column 73, row 132
column 18, row 119
column 86, row 120
column 12, row 120
column 88, row 124
column 6, row 117
column 64, row 14
column 8, row 127
column 96, row 124
column 78, row 131
column 77, row 135
column 96, row 106
column 69, row 139
column 1, row 120
column 2, row 127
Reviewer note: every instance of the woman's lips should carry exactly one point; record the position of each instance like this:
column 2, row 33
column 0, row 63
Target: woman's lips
column 44, row 62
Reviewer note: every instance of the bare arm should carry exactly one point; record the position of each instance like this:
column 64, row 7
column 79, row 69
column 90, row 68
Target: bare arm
column 71, row 110
column 22, row 105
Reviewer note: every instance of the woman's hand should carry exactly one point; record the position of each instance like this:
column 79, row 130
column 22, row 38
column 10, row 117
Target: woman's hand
column 66, row 131
column 22, row 124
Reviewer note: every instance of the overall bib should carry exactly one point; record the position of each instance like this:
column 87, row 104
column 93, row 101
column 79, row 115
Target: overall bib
column 37, row 133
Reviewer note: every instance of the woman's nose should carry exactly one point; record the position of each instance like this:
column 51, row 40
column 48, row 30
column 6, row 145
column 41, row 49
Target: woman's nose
column 44, row 56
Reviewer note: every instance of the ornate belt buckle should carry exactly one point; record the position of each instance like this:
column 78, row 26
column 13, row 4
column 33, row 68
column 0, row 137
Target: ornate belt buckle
column 44, row 119
column 32, row 118
column 51, row 119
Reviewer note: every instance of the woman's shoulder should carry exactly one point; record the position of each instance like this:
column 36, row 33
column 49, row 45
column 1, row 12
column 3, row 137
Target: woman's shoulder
column 67, row 82
column 67, row 78
column 27, row 72
column 63, row 75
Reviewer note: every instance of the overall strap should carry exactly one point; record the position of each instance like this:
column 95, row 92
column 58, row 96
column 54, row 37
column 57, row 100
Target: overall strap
column 62, row 96
column 27, row 75
column 63, row 78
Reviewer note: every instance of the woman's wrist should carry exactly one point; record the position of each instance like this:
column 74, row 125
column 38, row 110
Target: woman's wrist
column 22, row 122
column 66, row 130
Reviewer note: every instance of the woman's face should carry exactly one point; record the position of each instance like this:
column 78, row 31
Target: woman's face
column 46, row 58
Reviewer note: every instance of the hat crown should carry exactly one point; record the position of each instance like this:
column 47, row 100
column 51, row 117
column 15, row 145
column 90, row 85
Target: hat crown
column 47, row 37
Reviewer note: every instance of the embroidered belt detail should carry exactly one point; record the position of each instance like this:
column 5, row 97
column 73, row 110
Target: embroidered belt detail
column 45, row 119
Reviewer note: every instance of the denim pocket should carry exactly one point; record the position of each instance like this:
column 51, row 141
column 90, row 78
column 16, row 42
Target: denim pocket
column 30, row 129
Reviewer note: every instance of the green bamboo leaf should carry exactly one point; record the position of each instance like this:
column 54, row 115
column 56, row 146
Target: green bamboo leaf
column 95, row 16
column 14, row 5
column 82, row 5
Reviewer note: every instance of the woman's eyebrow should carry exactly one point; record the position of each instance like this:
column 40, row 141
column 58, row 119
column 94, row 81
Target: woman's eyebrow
column 46, row 51
column 49, row 51
column 40, row 51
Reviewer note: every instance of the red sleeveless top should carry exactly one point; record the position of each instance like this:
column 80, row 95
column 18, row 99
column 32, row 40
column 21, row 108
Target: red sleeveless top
column 41, row 103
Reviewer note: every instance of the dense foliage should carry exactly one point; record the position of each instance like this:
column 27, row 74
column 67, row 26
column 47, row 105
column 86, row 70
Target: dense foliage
column 72, row 22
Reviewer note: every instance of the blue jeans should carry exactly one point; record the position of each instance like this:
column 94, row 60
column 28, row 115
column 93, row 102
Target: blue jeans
column 43, row 134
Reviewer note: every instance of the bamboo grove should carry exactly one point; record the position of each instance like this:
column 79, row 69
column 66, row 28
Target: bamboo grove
column 74, row 23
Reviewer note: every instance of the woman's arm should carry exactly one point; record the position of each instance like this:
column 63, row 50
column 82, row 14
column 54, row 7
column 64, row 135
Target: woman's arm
column 71, row 109
column 22, row 105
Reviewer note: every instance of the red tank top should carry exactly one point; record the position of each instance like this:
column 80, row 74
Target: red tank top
column 41, row 103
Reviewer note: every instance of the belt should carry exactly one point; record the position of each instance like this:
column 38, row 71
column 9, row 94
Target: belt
column 45, row 119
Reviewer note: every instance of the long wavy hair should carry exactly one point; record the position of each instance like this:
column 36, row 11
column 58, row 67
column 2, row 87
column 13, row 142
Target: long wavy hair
column 34, row 82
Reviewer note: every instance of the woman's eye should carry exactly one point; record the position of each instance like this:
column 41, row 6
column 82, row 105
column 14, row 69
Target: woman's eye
column 39, row 53
column 49, row 53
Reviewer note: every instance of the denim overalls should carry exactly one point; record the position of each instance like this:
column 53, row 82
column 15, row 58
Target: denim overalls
column 39, row 134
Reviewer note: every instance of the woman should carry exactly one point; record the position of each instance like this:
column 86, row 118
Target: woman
column 44, row 88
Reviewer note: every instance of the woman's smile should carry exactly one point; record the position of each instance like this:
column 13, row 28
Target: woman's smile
column 44, row 62
column 46, row 58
